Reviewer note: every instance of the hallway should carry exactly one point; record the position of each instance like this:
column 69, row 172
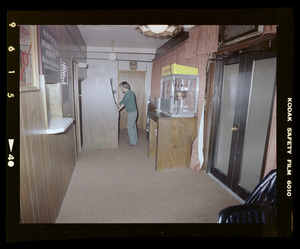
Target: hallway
column 122, row 186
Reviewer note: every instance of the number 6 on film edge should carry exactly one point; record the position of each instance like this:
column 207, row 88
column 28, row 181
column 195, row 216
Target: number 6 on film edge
column 12, row 24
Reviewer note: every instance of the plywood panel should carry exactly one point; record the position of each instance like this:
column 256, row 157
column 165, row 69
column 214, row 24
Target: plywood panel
column 175, row 136
column 172, row 144
column 99, row 114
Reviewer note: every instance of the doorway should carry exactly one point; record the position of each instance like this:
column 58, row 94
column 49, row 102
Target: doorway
column 136, row 79
column 77, row 108
column 244, row 88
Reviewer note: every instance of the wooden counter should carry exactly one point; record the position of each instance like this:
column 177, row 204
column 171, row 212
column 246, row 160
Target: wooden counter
column 170, row 140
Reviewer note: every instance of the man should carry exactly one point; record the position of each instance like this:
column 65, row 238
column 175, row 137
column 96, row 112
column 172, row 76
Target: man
column 130, row 105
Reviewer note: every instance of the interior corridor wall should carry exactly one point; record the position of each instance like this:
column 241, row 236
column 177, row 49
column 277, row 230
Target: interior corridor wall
column 47, row 161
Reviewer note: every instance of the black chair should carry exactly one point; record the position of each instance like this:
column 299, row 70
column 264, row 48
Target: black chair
column 260, row 207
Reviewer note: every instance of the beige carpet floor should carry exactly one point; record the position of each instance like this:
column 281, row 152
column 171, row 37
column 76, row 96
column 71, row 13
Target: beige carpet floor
column 122, row 186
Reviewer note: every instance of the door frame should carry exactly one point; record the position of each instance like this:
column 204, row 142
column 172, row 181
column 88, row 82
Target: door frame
column 145, row 90
column 245, row 60
column 77, row 112
column 216, row 111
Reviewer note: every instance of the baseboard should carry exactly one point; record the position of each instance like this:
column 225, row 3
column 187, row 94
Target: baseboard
column 227, row 189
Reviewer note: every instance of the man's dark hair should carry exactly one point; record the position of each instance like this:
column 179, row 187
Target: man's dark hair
column 125, row 84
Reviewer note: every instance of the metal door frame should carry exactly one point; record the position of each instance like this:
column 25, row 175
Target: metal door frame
column 77, row 113
column 231, row 180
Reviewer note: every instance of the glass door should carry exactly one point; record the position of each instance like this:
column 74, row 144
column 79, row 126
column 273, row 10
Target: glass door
column 243, row 97
column 255, row 117
column 226, row 117
column 224, row 134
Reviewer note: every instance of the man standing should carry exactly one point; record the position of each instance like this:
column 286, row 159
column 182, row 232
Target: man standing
column 130, row 105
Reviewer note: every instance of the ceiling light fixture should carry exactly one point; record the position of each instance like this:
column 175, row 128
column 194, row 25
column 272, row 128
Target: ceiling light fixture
column 112, row 56
column 158, row 30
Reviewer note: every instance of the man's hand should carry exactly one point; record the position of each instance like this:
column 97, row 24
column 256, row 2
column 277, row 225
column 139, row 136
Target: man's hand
column 120, row 107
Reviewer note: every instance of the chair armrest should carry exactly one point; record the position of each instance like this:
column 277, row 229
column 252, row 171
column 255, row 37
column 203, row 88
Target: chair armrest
column 247, row 213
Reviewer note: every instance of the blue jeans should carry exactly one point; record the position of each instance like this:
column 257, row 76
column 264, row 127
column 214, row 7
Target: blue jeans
column 131, row 127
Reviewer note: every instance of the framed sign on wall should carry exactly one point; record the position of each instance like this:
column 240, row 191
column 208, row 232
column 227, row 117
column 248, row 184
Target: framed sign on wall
column 29, row 70
column 49, row 55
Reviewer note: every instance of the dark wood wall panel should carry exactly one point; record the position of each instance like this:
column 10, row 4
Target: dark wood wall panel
column 47, row 161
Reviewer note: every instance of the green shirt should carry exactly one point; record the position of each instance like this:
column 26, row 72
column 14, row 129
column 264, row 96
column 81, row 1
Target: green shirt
column 129, row 101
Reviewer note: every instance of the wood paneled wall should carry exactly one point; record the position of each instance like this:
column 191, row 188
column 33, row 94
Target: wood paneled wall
column 47, row 161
